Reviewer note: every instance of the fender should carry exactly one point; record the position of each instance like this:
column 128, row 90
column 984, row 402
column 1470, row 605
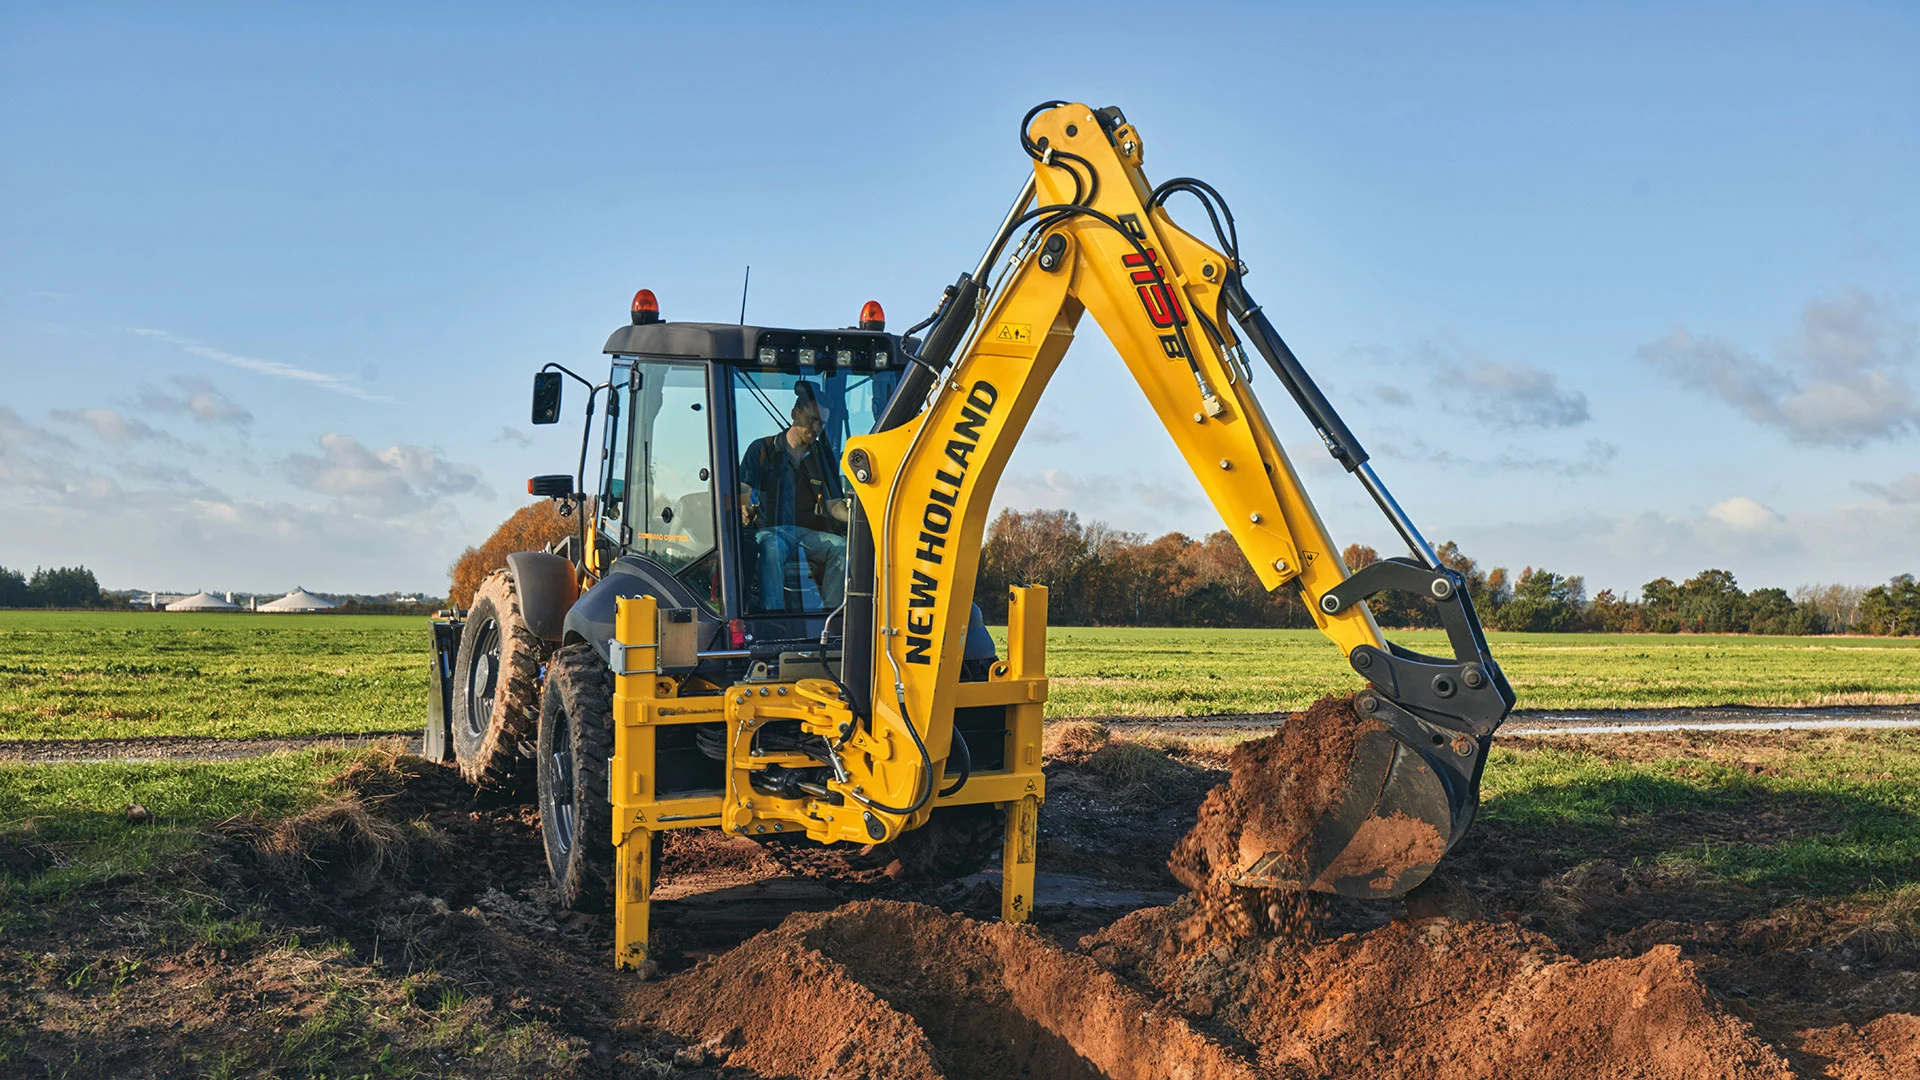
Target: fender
column 590, row 619
column 548, row 585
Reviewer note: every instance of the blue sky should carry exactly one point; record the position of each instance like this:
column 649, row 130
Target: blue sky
column 1626, row 294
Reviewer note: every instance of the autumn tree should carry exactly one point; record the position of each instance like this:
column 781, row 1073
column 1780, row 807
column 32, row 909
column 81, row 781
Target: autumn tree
column 531, row 528
column 1836, row 606
column 1609, row 614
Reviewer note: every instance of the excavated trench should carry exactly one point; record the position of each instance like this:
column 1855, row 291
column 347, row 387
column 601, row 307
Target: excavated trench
column 1225, row 982
column 1519, row 960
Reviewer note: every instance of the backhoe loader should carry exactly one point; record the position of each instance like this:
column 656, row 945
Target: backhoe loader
column 766, row 621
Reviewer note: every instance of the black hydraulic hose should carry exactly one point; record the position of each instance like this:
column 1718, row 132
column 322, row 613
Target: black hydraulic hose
column 926, row 322
column 1200, row 189
column 954, row 316
column 926, row 770
column 1332, row 430
column 966, row 764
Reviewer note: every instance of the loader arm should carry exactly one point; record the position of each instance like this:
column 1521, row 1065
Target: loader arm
column 1088, row 235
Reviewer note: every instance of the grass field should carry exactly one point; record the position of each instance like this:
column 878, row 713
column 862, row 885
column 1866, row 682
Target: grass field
column 1815, row 814
column 1101, row 671
column 125, row 675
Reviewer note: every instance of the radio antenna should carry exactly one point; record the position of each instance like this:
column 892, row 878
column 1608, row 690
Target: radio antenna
column 744, row 282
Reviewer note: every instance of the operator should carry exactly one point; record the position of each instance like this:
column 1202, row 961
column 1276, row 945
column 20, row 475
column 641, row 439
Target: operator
column 793, row 499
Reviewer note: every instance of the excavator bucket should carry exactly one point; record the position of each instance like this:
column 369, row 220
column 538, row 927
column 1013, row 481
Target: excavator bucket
column 1383, row 835
column 1426, row 725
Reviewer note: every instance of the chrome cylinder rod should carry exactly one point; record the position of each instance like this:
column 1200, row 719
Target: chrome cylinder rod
column 1402, row 524
column 1005, row 232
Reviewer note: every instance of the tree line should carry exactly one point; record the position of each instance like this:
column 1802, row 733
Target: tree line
column 65, row 587
column 1100, row 576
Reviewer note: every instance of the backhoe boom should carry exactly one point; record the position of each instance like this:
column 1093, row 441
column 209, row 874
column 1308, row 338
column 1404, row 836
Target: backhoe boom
column 1099, row 241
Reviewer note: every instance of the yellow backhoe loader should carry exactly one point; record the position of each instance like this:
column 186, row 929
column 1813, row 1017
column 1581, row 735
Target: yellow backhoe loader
column 766, row 623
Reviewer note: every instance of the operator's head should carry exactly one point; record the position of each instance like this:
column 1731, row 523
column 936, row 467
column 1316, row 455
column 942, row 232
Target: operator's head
column 807, row 419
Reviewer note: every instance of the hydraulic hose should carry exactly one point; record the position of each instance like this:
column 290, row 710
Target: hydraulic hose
column 966, row 764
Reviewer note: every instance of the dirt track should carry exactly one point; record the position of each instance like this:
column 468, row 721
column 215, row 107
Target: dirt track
column 781, row 959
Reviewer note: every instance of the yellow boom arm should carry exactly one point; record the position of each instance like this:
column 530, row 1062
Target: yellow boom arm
column 1098, row 241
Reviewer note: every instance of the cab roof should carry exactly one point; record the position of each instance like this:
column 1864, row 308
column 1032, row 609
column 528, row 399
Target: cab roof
column 728, row 342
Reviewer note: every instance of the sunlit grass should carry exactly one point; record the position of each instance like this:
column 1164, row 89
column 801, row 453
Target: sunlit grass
column 72, row 818
column 1843, row 808
column 1113, row 671
column 69, row 675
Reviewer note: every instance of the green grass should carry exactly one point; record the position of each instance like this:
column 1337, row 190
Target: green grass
column 121, row 937
column 1819, row 814
column 1110, row 671
column 76, row 814
column 68, row 675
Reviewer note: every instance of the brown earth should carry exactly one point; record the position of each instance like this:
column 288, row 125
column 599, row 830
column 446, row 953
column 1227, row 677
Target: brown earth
column 1280, row 786
column 429, row 905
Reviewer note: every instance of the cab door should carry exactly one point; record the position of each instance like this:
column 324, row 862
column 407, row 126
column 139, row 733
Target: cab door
column 659, row 500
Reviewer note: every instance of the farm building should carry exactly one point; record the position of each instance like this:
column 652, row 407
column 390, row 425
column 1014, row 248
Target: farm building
column 298, row 600
column 202, row 601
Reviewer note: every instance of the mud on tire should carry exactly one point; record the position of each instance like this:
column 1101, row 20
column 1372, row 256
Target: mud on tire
column 496, row 690
column 575, row 754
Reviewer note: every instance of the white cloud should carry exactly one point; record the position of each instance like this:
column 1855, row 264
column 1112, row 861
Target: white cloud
column 1146, row 505
column 197, row 399
column 514, row 436
column 1594, row 460
column 398, row 481
column 17, row 435
column 113, row 428
column 1905, row 490
column 1744, row 515
column 1047, row 431
column 1839, row 380
column 264, row 367
column 1513, row 394
column 1857, row 543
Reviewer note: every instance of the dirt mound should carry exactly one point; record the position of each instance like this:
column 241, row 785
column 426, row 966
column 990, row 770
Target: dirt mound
column 904, row 990
column 1438, row 997
column 1281, row 785
column 1887, row 1049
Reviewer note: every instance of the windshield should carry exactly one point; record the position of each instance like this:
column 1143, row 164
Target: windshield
column 790, row 428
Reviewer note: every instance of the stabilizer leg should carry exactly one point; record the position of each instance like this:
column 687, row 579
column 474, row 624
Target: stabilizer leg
column 633, row 902
column 1017, row 859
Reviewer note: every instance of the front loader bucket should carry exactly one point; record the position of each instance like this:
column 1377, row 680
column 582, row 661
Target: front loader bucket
column 1401, row 810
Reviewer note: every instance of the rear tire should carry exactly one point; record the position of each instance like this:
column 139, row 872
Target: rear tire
column 574, row 758
column 496, row 691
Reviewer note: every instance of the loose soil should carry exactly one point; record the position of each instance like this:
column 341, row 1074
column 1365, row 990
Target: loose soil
column 782, row 959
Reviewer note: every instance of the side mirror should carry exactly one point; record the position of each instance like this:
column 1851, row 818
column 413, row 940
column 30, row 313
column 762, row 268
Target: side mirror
column 546, row 397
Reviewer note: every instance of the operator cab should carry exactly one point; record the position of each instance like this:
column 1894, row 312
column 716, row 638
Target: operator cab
column 719, row 487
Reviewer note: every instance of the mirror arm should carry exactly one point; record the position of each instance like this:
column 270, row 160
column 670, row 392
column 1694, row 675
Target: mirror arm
column 562, row 369
column 580, row 475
